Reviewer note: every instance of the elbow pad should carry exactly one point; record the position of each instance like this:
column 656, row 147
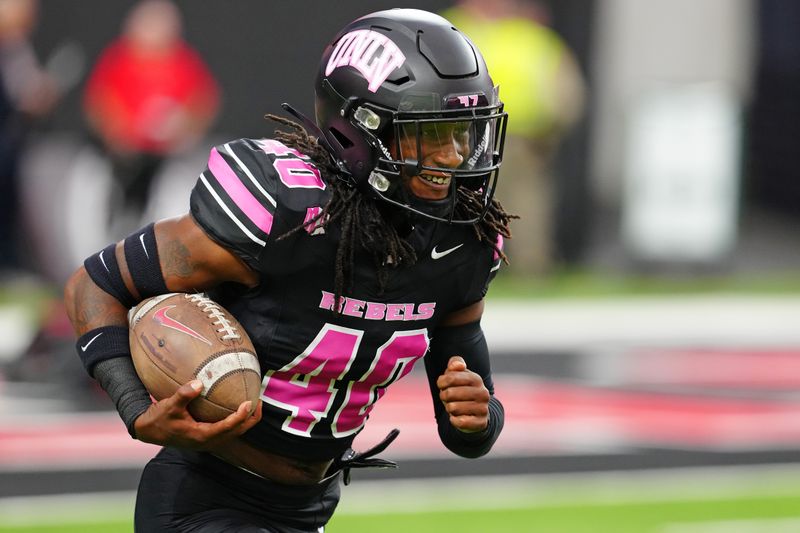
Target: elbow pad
column 141, row 258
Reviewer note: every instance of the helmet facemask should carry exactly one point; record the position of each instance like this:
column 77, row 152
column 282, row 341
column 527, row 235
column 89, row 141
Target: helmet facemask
column 436, row 118
column 461, row 148
column 403, row 142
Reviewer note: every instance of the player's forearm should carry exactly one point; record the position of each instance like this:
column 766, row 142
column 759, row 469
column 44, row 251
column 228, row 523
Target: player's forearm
column 455, row 391
column 89, row 307
column 105, row 353
column 100, row 322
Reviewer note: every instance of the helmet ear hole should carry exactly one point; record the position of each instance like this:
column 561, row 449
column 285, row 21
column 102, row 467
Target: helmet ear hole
column 341, row 138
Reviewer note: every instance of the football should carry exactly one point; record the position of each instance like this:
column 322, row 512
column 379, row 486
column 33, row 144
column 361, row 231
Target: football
column 178, row 337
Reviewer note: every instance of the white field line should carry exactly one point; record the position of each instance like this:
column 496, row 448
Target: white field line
column 553, row 490
column 85, row 508
column 765, row 525
column 713, row 320
column 471, row 493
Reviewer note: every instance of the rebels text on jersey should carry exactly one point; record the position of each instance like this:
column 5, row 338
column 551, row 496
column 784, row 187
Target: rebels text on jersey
column 324, row 371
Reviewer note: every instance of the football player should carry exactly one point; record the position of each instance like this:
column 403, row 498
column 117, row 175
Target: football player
column 349, row 248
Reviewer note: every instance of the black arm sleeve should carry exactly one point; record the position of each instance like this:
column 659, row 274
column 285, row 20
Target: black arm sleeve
column 468, row 342
column 119, row 379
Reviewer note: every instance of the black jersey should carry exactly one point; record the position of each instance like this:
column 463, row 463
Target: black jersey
column 323, row 371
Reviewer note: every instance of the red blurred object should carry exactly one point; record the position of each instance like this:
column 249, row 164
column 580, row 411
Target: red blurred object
column 150, row 91
column 144, row 98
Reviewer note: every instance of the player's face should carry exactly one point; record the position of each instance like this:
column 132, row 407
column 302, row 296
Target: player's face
column 442, row 145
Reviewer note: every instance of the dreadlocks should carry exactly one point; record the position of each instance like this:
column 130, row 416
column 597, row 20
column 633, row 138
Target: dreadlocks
column 362, row 222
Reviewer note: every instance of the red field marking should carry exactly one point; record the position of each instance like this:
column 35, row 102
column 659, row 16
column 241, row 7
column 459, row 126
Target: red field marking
column 751, row 369
column 541, row 418
column 549, row 417
column 70, row 440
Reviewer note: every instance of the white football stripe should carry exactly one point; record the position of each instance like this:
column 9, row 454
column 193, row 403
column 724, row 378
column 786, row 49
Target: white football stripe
column 250, row 175
column 225, row 363
column 152, row 302
column 230, row 214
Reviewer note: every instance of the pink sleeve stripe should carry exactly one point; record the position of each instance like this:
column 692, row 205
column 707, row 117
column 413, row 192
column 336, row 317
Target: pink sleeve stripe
column 240, row 195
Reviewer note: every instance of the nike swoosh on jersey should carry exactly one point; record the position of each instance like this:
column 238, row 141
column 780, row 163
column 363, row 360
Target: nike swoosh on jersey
column 86, row 346
column 165, row 320
column 439, row 255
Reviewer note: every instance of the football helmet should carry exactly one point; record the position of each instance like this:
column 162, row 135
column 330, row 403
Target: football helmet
column 408, row 75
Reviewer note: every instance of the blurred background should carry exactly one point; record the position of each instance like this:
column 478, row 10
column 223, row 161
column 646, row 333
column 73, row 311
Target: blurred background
column 644, row 336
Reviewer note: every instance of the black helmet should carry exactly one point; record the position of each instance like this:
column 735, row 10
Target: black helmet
column 401, row 74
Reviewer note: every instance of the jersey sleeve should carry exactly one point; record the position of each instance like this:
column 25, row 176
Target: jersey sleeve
column 252, row 192
column 234, row 199
column 483, row 276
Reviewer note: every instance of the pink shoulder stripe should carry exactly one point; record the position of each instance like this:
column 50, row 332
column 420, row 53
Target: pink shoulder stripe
column 240, row 195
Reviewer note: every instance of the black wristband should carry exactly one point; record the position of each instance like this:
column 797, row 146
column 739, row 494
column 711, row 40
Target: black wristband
column 106, row 355
column 102, row 343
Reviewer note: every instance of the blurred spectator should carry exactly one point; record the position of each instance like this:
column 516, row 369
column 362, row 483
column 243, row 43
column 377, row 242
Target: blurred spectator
column 543, row 92
column 150, row 96
column 27, row 93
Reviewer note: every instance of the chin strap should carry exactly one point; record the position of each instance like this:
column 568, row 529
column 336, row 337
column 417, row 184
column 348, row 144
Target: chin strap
column 352, row 459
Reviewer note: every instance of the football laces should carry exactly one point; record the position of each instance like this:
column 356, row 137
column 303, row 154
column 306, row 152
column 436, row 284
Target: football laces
column 218, row 317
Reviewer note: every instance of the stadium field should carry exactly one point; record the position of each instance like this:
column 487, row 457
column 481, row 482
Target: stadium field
column 702, row 502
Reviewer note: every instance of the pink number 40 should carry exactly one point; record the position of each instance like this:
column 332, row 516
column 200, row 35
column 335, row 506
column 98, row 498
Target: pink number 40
column 295, row 171
column 308, row 385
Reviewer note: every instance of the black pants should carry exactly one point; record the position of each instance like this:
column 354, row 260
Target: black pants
column 183, row 491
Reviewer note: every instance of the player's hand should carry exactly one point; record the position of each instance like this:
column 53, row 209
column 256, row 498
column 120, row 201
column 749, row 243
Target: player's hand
column 169, row 423
column 464, row 395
